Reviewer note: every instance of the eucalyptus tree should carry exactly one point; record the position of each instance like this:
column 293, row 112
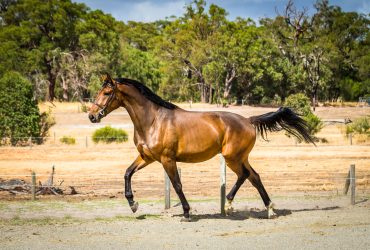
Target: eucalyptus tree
column 187, row 44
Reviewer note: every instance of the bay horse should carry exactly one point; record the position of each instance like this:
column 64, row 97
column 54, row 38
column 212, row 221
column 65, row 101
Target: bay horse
column 166, row 133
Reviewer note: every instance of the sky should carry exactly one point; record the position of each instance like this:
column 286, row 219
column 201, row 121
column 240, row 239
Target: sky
column 152, row 10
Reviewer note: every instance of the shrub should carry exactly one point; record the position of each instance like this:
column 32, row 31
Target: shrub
column 301, row 105
column 19, row 113
column 69, row 140
column 46, row 122
column 84, row 108
column 314, row 123
column 109, row 134
column 359, row 126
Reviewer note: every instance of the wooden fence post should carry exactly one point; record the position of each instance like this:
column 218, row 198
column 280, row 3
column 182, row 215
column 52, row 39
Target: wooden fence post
column 167, row 190
column 222, row 184
column 86, row 141
column 353, row 184
column 346, row 185
column 33, row 187
column 350, row 139
column 351, row 181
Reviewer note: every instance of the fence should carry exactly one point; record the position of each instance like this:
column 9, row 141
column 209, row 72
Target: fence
column 86, row 141
column 112, row 184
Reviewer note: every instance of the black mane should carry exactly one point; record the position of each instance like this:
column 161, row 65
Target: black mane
column 145, row 91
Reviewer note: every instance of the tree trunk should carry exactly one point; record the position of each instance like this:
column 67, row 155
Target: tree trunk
column 65, row 89
column 314, row 96
column 204, row 91
column 210, row 98
column 51, row 79
column 231, row 74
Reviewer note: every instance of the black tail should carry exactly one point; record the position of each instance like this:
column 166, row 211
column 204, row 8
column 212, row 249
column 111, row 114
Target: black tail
column 285, row 119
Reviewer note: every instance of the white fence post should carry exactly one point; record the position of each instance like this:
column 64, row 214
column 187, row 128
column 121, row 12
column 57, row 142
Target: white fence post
column 167, row 190
column 222, row 184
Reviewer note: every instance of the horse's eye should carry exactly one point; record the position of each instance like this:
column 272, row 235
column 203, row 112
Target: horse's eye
column 106, row 94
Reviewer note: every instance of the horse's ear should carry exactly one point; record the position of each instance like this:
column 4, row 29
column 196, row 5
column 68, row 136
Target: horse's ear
column 106, row 78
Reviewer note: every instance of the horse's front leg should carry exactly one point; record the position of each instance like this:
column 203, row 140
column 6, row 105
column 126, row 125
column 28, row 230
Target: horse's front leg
column 138, row 164
column 171, row 169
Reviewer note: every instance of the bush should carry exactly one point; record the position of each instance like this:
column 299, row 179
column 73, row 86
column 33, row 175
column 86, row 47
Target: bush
column 46, row 122
column 301, row 105
column 69, row 140
column 359, row 126
column 20, row 116
column 314, row 123
column 109, row 134
column 84, row 108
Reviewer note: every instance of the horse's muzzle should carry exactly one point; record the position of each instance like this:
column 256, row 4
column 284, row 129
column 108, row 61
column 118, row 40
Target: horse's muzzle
column 93, row 118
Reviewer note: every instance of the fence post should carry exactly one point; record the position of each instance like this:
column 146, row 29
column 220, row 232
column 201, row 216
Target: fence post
column 353, row 184
column 86, row 141
column 33, row 187
column 54, row 138
column 167, row 190
column 222, row 184
column 350, row 139
column 346, row 185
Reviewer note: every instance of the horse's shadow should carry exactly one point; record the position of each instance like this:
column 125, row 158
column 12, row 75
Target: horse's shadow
column 253, row 213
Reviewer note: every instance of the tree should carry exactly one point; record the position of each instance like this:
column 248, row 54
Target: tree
column 187, row 43
column 19, row 113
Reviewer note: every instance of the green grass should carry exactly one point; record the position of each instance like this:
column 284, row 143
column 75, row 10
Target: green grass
column 18, row 221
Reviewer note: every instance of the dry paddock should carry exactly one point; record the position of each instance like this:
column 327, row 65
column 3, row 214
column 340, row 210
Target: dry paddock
column 305, row 182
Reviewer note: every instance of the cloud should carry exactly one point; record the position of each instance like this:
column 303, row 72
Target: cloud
column 149, row 11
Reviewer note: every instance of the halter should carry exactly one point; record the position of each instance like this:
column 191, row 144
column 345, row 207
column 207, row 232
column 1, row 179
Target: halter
column 102, row 110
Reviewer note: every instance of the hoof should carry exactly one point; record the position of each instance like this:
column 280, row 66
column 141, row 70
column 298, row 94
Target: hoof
column 270, row 212
column 134, row 207
column 229, row 208
column 184, row 219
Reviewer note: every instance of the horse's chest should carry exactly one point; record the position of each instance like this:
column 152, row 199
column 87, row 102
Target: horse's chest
column 145, row 151
column 148, row 148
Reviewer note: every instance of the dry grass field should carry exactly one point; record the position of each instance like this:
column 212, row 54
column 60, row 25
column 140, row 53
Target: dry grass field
column 304, row 182
column 98, row 169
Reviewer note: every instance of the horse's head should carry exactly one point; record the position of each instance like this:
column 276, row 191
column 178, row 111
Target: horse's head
column 106, row 100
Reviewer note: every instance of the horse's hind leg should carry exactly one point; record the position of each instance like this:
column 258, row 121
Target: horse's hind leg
column 255, row 179
column 242, row 174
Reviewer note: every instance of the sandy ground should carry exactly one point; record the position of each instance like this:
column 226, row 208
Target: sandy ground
column 98, row 169
column 305, row 183
column 302, row 223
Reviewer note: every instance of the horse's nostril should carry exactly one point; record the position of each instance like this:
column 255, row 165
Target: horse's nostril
column 91, row 117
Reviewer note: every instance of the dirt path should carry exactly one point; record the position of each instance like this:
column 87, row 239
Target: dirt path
column 303, row 223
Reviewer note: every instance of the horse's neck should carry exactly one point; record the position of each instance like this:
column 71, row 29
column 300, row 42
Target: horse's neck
column 142, row 113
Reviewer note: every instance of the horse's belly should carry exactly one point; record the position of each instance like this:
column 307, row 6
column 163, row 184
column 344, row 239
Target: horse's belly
column 199, row 149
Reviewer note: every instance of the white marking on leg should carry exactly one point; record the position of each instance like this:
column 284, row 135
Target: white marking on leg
column 270, row 211
column 229, row 207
